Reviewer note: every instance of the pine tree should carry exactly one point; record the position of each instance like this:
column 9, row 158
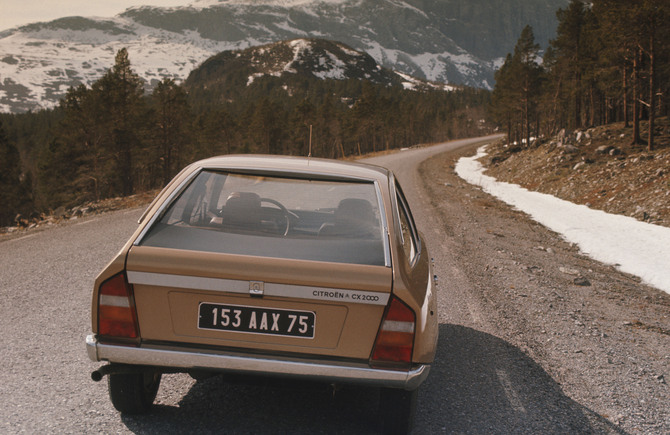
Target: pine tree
column 526, row 54
column 653, row 17
column 503, row 99
column 634, row 31
column 567, row 67
column 170, row 126
column 516, row 97
column 364, row 120
column 79, row 142
column 13, row 192
column 216, row 132
column 266, row 127
column 120, row 94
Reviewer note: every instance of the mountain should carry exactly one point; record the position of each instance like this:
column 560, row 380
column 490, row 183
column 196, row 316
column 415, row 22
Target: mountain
column 294, row 63
column 451, row 41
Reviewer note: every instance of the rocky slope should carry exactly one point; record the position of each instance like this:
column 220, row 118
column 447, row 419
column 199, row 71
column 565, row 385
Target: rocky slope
column 597, row 167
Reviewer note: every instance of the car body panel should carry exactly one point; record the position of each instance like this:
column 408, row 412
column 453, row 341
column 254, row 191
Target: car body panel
column 169, row 287
column 348, row 300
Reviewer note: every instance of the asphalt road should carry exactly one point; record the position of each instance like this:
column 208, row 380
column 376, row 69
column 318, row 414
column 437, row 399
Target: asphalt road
column 482, row 382
column 453, row 309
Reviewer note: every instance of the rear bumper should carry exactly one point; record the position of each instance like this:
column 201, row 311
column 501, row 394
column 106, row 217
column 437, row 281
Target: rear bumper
column 164, row 356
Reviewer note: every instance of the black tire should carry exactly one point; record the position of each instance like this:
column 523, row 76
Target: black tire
column 396, row 410
column 134, row 393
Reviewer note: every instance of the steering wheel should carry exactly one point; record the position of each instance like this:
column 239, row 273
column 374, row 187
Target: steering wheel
column 287, row 214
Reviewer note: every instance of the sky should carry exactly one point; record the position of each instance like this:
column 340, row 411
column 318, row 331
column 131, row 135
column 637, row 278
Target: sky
column 19, row 12
column 638, row 248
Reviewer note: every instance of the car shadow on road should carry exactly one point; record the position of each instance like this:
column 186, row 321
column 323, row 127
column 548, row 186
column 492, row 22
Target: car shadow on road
column 483, row 384
column 479, row 384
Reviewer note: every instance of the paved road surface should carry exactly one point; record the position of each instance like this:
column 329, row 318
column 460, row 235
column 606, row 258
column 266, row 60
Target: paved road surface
column 480, row 383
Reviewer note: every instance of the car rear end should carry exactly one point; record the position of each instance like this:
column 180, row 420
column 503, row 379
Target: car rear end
column 242, row 269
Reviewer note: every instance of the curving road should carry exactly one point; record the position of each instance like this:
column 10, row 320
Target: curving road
column 488, row 378
column 406, row 167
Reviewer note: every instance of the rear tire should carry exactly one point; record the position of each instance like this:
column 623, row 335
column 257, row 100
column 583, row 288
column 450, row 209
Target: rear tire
column 396, row 410
column 134, row 393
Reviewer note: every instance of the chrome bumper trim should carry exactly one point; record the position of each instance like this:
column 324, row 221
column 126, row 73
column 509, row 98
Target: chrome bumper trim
column 163, row 356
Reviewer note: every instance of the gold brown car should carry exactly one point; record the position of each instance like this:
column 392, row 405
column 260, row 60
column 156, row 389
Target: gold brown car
column 271, row 266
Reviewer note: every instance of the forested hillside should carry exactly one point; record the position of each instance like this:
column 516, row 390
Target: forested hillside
column 111, row 140
column 610, row 61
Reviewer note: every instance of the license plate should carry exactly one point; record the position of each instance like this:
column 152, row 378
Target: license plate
column 256, row 320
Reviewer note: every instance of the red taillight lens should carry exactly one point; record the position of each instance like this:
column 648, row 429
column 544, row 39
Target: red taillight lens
column 116, row 309
column 395, row 340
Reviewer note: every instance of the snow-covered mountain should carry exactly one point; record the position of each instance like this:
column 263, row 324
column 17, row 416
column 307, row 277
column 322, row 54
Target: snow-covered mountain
column 451, row 41
column 228, row 74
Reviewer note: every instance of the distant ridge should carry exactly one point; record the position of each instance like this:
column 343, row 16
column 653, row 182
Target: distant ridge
column 316, row 59
column 448, row 41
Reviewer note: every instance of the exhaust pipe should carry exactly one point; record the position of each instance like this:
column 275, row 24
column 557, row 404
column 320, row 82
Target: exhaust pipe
column 97, row 375
column 109, row 369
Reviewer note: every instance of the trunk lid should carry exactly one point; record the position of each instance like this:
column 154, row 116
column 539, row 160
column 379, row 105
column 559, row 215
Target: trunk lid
column 258, row 303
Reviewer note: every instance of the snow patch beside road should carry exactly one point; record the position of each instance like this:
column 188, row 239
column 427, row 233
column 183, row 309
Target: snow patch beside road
column 634, row 247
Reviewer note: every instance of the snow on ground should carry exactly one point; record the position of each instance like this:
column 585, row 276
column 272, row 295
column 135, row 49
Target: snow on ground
column 635, row 247
column 52, row 60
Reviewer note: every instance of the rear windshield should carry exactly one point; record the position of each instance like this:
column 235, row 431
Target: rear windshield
column 333, row 221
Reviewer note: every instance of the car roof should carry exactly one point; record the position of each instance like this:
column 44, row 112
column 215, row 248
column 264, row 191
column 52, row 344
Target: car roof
column 295, row 165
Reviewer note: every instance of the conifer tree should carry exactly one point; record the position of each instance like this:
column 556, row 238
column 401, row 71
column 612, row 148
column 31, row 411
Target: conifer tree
column 120, row 93
column 266, row 127
column 526, row 54
column 80, row 138
column 170, row 126
column 636, row 30
column 503, row 100
column 363, row 117
column 13, row 192
column 215, row 132
column 516, row 96
column 567, row 67
column 653, row 16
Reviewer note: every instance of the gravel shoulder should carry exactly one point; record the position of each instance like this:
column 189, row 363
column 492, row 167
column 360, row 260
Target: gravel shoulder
column 600, row 334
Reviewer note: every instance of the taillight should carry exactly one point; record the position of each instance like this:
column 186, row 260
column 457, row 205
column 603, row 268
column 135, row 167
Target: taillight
column 117, row 317
column 395, row 340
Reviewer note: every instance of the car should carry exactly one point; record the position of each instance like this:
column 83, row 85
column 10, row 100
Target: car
column 272, row 266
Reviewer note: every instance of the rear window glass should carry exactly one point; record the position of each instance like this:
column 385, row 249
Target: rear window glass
column 267, row 216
